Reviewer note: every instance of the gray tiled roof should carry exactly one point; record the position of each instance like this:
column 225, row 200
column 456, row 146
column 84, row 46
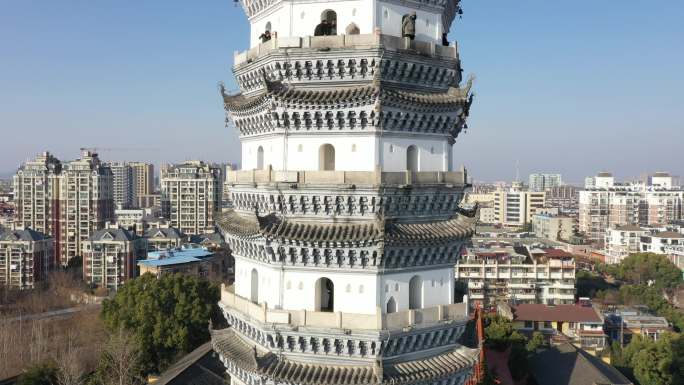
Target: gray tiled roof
column 21, row 235
column 567, row 365
column 117, row 234
column 458, row 227
column 167, row 232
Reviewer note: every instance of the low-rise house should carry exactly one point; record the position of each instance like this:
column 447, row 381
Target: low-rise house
column 623, row 325
column 109, row 257
column 659, row 242
column 580, row 324
column 196, row 261
column 25, row 257
column 164, row 238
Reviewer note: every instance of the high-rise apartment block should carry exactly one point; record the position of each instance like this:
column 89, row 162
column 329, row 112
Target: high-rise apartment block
column 68, row 201
column 25, row 257
column 36, row 194
column 191, row 195
column 604, row 204
column 515, row 206
column 110, row 255
column 143, row 177
column 541, row 182
column 86, row 202
column 123, row 184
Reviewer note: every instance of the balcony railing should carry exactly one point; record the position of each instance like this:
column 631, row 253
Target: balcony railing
column 345, row 41
column 345, row 177
column 353, row 321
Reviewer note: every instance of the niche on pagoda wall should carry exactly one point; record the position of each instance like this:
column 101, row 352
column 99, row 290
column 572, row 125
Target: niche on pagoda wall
column 398, row 153
column 389, row 18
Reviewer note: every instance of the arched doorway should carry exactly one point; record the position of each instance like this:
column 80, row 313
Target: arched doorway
column 412, row 158
column 325, row 295
column 416, row 292
column 391, row 306
column 260, row 158
column 254, row 291
column 326, row 157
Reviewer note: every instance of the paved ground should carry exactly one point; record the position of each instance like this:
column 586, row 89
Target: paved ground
column 55, row 313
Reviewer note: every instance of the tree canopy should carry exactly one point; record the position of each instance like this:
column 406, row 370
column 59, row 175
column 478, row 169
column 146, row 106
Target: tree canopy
column 168, row 317
column 653, row 362
column 647, row 269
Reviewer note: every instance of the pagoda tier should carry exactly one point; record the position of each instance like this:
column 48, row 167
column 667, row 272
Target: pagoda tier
column 348, row 60
column 248, row 365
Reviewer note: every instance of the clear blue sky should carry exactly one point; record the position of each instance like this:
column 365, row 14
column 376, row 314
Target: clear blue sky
column 562, row 86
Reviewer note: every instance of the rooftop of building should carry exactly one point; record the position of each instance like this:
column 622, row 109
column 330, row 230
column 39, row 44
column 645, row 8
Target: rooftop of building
column 113, row 234
column 164, row 232
column 562, row 313
column 177, row 256
column 565, row 364
column 27, row 235
column 629, row 228
column 668, row 234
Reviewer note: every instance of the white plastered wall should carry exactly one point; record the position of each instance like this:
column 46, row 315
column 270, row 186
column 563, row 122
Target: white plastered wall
column 437, row 288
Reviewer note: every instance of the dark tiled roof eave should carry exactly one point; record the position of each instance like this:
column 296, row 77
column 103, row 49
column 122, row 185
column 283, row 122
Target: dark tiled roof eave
column 232, row 347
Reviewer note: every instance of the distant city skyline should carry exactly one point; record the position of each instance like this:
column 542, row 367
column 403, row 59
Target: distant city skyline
column 569, row 88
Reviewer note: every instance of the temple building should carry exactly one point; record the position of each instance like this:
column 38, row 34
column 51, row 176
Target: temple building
column 344, row 221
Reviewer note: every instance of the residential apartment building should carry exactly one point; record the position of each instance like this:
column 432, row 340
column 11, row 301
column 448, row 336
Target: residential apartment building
column 517, row 275
column 122, row 185
column 191, row 195
column 661, row 242
column 86, row 203
column 143, row 178
column 565, row 198
column 542, row 182
column 110, row 255
column 25, row 258
column 515, row 206
column 553, row 227
column 621, row 241
column 603, row 204
column 67, row 201
column 36, row 195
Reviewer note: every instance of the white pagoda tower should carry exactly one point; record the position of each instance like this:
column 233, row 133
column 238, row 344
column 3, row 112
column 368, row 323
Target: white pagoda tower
column 345, row 225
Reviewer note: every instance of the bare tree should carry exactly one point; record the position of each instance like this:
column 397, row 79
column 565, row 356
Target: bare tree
column 69, row 362
column 121, row 358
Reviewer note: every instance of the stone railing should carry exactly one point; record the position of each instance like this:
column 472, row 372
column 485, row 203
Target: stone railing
column 388, row 42
column 346, row 177
column 353, row 321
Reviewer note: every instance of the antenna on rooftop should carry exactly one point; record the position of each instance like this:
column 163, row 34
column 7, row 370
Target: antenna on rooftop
column 517, row 170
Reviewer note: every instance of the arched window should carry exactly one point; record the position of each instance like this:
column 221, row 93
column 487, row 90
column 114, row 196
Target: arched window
column 254, row 292
column 391, row 306
column 416, row 292
column 326, row 157
column 260, row 158
column 325, row 295
column 412, row 158
column 352, row 29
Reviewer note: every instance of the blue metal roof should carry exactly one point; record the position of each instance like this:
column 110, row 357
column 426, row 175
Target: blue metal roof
column 175, row 256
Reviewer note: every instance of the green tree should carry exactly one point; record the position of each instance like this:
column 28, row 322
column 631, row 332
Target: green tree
column 536, row 342
column 168, row 317
column 643, row 268
column 40, row 374
column 499, row 333
column 658, row 363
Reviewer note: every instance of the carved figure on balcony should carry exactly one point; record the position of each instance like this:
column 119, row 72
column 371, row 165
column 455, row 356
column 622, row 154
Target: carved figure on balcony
column 408, row 25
